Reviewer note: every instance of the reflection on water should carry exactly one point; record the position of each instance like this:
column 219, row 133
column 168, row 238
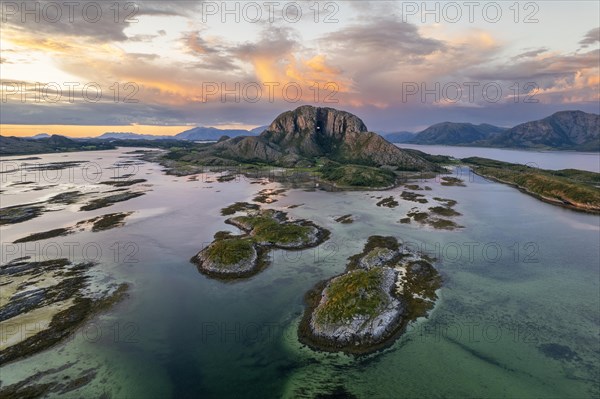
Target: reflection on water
column 517, row 316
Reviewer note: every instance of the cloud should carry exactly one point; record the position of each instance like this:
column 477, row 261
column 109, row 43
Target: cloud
column 391, row 39
column 198, row 44
column 541, row 67
column 210, row 54
column 369, row 60
column 530, row 53
column 97, row 21
column 590, row 38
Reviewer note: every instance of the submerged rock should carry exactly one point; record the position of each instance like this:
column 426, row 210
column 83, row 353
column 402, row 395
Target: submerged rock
column 19, row 213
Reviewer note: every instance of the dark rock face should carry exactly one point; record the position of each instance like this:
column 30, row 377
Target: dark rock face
column 563, row 130
column 310, row 132
column 313, row 131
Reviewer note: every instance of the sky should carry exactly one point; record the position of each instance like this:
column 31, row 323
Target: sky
column 88, row 67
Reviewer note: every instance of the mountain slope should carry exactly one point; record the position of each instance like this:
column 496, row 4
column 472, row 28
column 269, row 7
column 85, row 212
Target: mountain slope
column 398, row 137
column 258, row 130
column 565, row 130
column 451, row 133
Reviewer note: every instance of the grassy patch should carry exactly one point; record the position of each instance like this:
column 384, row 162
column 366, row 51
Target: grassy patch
column 109, row 221
column 265, row 196
column 414, row 197
column 69, row 197
column 270, row 230
column 238, row 207
column 352, row 294
column 109, row 200
column 345, row 219
column 443, row 224
column 357, row 175
column 45, row 235
column 420, row 283
column 19, row 213
column 418, row 216
column 230, row 251
column 448, row 202
column 271, row 227
column 452, row 181
column 222, row 235
column 226, row 178
column 444, row 211
column 374, row 242
column 388, row 202
column 123, row 183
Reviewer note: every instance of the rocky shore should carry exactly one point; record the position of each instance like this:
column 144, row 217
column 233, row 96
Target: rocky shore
column 238, row 256
column 367, row 307
column 54, row 295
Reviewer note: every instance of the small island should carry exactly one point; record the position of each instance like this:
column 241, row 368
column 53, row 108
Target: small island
column 368, row 306
column 237, row 256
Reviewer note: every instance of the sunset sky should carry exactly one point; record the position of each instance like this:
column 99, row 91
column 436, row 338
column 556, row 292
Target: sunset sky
column 163, row 70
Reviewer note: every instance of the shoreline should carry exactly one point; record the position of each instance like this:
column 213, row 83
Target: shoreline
column 548, row 200
column 306, row 337
column 64, row 324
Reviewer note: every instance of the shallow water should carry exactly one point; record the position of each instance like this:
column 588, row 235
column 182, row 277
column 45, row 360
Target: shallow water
column 521, row 285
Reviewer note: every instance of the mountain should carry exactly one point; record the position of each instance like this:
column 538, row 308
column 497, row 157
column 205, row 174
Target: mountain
column 195, row 134
column 258, row 130
column 131, row 136
column 565, row 130
column 398, row 137
column 54, row 143
column 302, row 136
column 451, row 133
column 201, row 133
column 40, row 136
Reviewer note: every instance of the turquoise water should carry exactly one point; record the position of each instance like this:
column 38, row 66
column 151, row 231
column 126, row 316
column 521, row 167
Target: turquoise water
column 518, row 314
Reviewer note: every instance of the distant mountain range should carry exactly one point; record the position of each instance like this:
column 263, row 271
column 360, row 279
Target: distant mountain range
column 199, row 133
column 564, row 130
column 130, row 136
column 54, row 143
column 40, row 136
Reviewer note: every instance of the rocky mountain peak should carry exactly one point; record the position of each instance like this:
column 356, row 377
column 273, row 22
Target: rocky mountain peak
column 303, row 135
column 309, row 120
